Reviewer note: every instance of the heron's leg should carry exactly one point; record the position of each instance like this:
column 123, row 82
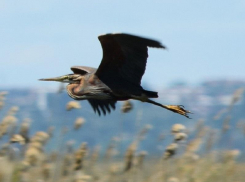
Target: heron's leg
column 174, row 108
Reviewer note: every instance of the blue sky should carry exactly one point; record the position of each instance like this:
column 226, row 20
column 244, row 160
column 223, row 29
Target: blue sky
column 39, row 39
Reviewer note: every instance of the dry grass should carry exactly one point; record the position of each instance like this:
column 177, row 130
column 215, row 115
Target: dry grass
column 179, row 162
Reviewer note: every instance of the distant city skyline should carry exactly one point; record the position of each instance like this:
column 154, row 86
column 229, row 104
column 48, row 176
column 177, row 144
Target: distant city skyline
column 205, row 39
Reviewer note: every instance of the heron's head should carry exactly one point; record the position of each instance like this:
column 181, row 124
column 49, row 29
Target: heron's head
column 71, row 78
column 74, row 80
column 79, row 87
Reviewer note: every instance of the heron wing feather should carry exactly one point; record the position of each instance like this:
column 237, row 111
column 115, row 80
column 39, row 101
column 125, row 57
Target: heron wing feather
column 102, row 105
column 83, row 70
column 124, row 61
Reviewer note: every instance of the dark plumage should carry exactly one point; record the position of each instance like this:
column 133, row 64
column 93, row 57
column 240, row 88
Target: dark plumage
column 118, row 76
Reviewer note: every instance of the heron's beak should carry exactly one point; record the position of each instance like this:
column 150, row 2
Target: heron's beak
column 63, row 79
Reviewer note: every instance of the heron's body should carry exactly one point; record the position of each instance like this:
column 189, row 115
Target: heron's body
column 118, row 76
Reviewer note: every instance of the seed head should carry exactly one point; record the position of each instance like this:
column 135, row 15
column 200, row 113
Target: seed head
column 194, row 145
column 2, row 98
column 18, row 139
column 140, row 158
column 114, row 169
column 226, row 124
column 80, row 155
column 144, row 131
column 69, row 146
column 180, row 137
column 127, row 106
column 46, row 170
column 95, row 154
column 170, row 150
column 36, row 145
column 231, row 154
column 111, row 149
column 78, row 123
column 83, row 178
column 129, row 156
column 13, row 110
column 173, row 179
column 24, row 128
column 25, row 165
column 177, row 128
column 32, row 155
column 4, row 149
column 41, row 137
column 72, row 105
column 3, row 93
column 219, row 114
column 237, row 95
column 9, row 120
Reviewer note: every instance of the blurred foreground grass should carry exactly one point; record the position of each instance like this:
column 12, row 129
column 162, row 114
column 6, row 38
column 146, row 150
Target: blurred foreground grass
column 23, row 158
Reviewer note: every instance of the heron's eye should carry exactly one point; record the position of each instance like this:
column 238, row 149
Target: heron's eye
column 68, row 77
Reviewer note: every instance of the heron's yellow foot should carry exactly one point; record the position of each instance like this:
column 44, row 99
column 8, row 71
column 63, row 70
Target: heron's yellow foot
column 178, row 109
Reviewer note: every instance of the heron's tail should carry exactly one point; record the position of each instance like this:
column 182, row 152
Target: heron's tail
column 150, row 94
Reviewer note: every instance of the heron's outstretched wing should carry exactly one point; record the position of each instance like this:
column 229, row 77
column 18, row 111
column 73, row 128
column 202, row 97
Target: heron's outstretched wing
column 124, row 60
column 83, row 70
column 102, row 105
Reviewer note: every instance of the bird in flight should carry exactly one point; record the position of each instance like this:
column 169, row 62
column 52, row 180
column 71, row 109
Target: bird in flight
column 118, row 76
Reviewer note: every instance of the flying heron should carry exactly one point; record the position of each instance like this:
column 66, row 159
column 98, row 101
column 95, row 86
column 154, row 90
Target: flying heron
column 118, row 77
